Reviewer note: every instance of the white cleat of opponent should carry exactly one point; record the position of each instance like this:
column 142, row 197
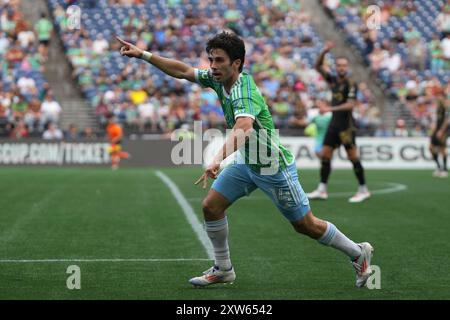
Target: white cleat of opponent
column 214, row 275
column 360, row 196
column 437, row 173
column 317, row 194
column 362, row 264
column 443, row 174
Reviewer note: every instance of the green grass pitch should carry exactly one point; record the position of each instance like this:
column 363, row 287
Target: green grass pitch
column 95, row 214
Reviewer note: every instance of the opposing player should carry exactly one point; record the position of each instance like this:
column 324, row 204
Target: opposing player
column 247, row 113
column 115, row 135
column 320, row 122
column 341, row 130
column 438, row 143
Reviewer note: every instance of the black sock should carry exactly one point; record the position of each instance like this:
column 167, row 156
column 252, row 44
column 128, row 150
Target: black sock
column 444, row 158
column 325, row 170
column 436, row 159
column 359, row 172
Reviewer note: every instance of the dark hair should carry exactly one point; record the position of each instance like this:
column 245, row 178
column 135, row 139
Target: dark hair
column 342, row 58
column 231, row 44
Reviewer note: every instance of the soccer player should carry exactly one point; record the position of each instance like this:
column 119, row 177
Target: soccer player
column 320, row 122
column 115, row 135
column 341, row 130
column 438, row 144
column 246, row 112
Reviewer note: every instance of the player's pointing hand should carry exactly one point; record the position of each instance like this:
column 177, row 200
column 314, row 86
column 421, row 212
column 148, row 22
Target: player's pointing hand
column 128, row 49
column 211, row 172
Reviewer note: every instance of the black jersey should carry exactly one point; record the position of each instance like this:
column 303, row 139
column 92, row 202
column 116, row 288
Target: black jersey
column 342, row 91
column 441, row 114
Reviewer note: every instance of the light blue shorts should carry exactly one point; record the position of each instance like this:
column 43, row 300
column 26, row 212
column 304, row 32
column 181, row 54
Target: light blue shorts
column 283, row 188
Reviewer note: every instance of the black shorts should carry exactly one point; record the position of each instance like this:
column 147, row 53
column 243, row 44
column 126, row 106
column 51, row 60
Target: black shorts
column 335, row 137
column 438, row 142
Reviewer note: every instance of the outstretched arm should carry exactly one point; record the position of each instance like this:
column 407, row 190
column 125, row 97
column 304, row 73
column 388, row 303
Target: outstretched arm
column 320, row 59
column 171, row 67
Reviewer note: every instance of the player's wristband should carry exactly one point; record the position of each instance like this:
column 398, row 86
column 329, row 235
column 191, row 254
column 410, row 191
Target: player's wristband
column 146, row 56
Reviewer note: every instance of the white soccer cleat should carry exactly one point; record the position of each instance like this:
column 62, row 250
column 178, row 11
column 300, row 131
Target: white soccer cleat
column 316, row 194
column 362, row 264
column 443, row 174
column 214, row 275
column 360, row 196
column 436, row 173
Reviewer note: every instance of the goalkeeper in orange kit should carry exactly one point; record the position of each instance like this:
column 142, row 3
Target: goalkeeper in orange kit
column 115, row 135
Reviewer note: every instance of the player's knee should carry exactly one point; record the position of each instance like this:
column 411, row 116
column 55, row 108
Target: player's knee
column 210, row 208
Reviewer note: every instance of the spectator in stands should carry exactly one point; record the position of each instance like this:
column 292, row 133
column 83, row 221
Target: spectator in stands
column 52, row 132
column 18, row 130
column 147, row 115
column 33, row 115
column 383, row 132
column 392, row 61
column 44, row 30
column 377, row 58
column 445, row 45
column 72, row 133
column 100, row 45
column 19, row 106
column 436, row 54
column 400, row 128
column 417, row 54
column 88, row 134
column 27, row 85
column 50, row 110
column 443, row 21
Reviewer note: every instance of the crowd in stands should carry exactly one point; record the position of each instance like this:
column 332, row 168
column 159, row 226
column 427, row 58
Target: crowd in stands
column 281, row 51
column 409, row 52
column 27, row 103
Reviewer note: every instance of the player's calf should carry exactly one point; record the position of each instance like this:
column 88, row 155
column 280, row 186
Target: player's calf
column 310, row 226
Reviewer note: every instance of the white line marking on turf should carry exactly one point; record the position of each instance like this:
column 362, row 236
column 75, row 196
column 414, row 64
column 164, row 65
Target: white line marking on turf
column 97, row 260
column 391, row 188
column 189, row 213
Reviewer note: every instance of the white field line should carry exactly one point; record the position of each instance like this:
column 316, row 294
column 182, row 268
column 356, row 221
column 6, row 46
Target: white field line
column 97, row 260
column 189, row 214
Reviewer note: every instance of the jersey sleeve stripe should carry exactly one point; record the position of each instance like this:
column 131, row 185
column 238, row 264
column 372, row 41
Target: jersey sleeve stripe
column 249, row 95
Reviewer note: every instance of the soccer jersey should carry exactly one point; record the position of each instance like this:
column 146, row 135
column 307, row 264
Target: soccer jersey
column 245, row 99
column 342, row 91
column 321, row 121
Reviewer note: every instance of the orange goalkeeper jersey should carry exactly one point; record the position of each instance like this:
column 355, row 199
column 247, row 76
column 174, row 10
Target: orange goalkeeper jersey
column 114, row 132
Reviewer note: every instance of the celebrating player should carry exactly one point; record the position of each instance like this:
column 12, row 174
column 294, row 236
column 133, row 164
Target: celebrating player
column 247, row 113
column 438, row 144
column 341, row 130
